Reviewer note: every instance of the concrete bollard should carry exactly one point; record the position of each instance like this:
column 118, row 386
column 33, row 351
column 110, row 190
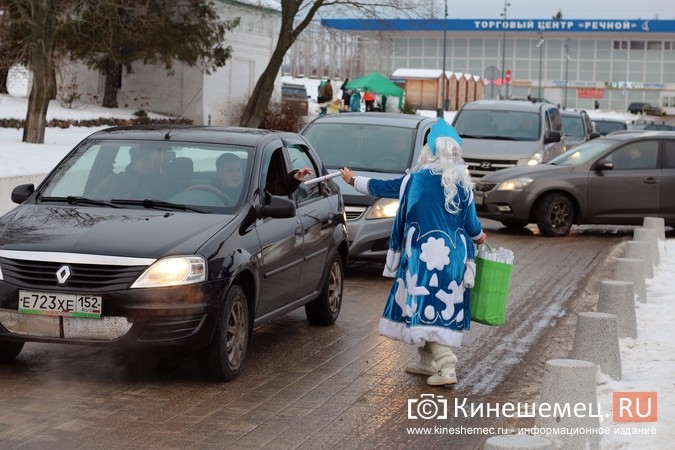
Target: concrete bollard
column 641, row 250
column 518, row 442
column 649, row 235
column 568, row 383
column 597, row 340
column 658, row 224
column 630, row 269
column 618, row 298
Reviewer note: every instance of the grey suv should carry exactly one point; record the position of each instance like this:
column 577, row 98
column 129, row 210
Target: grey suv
column 497, row 134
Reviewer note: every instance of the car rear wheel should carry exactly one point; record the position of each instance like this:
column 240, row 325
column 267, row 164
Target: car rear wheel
column 326, row 308
column 555, row 215
column 224, row 357
column 9, row 350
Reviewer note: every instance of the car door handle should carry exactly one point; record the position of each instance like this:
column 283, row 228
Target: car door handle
column 298, row 232
column 650, row 180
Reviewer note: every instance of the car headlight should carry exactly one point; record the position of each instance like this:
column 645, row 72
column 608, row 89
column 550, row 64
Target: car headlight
column 383, row 208
column 535, row 159
column 516, row 184
column 173, row 271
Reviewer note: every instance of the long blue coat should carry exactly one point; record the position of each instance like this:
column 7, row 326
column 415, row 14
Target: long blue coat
column 428, row 251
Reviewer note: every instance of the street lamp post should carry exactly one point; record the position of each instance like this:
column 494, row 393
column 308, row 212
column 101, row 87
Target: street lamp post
column 441, row 111
column 503, row 14
column 540, row 44
column 567, row 63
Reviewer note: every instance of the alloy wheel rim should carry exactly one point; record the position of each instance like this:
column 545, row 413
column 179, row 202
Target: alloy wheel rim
column 335, row 287
column 236, row 333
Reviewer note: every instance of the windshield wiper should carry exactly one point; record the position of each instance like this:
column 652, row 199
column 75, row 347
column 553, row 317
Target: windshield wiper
column 77, row 200
column 154, row 204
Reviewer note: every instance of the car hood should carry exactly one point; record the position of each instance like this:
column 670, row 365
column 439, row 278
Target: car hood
column 536, row 171
column 498, row 149
column 106, row 231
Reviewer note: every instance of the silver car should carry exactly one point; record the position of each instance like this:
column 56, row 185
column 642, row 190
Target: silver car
column 372, row 144
column 497, row 134
column 616, row 179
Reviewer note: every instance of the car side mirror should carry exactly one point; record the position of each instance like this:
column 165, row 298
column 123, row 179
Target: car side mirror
column 552, row 136
column 595, row 134
column 277, row 208
column 22, row 192
column 603, row 164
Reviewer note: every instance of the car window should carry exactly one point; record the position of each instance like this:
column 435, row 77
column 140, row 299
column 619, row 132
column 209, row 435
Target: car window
column 374, row 148
column 299, row 160
column 582, row 153
column 554, row 119
column 511, row 125
column 606, row 127
column 573, row 126
column 635, row 155
column 129, row 170
column 669, row 156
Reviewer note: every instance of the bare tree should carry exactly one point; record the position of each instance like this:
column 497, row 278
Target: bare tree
column 296, row 15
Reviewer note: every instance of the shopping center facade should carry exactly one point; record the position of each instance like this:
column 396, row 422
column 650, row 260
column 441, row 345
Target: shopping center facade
column 571, row 62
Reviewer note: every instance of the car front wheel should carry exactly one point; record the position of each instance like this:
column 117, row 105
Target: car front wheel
column 224, row 357
column 324, row 310
column 555, row 215
column 9, row 350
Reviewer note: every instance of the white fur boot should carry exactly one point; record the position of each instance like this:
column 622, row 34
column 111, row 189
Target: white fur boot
column 444, row 360
column 426, row 365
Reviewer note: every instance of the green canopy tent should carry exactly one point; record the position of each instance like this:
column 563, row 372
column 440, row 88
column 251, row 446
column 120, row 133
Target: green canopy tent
column 378, row 84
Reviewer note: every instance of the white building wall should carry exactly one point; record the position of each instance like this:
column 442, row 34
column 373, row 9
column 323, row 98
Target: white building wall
column 216, row 98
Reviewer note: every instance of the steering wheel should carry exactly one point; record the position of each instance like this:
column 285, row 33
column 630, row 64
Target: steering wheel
column 211, row 189
column 389, row 161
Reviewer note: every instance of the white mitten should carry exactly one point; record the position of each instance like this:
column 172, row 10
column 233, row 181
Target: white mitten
column 469, row 275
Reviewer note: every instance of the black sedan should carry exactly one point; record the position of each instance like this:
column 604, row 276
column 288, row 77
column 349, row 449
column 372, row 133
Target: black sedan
column 134, row 240
column 617, row 179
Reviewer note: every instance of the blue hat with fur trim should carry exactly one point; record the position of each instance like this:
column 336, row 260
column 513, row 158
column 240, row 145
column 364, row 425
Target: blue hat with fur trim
column 441, row 129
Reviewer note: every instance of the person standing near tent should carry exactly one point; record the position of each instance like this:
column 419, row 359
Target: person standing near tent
column 430, row 254
column 355, row 101
column 327, row 92
column 346, row 95
column 319, row 93
column 369, row 98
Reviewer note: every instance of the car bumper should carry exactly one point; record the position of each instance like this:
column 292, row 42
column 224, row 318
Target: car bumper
column 183, row 316
column 368, row 239
column 511, row 206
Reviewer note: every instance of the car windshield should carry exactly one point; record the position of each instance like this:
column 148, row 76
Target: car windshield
column 367, row 147
column 292, row 91
column 573, row 126
column 161, row 175
column 507, row 125
column 582, row 153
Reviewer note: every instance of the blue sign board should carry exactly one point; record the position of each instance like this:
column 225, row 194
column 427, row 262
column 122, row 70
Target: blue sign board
column 548, row 25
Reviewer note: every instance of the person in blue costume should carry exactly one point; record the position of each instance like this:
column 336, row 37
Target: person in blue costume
column 431, row 252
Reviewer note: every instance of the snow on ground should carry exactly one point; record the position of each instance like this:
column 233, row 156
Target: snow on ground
column 648, row 361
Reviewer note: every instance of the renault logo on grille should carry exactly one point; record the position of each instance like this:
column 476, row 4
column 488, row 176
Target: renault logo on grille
column 63, row 274
column 486, row 165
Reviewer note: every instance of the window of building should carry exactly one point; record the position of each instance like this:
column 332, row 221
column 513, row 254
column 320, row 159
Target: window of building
column 637, row 45
column 620, row 45
column 654, row 45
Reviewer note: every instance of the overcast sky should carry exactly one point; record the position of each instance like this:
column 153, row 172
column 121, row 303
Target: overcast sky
column 571, row 9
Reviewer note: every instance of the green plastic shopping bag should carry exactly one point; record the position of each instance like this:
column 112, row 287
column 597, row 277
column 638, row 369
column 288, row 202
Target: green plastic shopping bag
column 490, row 293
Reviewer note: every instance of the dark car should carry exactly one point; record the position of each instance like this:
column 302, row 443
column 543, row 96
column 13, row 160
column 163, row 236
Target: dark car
column 606, row 125
column 294, row 96
column 372, row 144
column 103, row 252
column 616, row 179
column 645, row 108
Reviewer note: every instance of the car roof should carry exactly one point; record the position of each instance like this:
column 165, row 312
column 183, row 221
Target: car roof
column 570, row 112
column 376, row 118
column 626, row 135
column 195, row 133
column 507, row 105
column 609, row 119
